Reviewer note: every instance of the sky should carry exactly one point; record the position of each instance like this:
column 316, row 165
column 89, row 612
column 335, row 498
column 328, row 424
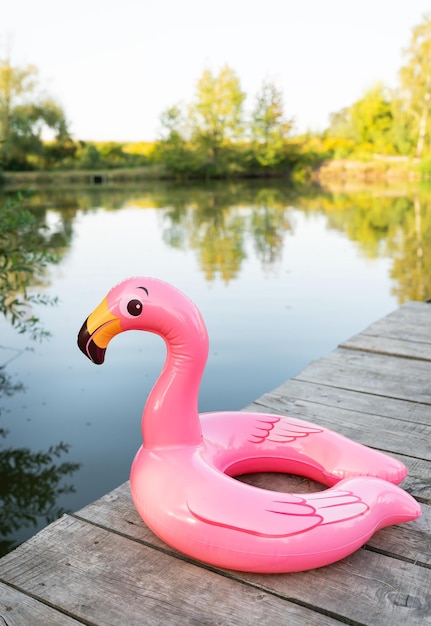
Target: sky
column 115, row 66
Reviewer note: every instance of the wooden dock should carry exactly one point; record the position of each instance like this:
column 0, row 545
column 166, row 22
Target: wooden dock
column 101, row 566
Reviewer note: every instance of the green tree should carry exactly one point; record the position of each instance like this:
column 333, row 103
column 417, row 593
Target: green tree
column 415, row 77
column 27, row 247
column 25, row 115
column 216, row 115
column 14, row 83
column 210, row 138
column 404, row 133
column 340, row 125
column 269, row 127
column 371, row 118
column 88, row 156
column 112, row 154
column 368, row 122
column 174, row 149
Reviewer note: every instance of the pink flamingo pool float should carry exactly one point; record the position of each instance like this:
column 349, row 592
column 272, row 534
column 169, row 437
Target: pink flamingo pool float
column 182, row 476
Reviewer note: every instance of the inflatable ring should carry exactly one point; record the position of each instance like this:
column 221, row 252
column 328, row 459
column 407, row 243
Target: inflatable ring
column 182, row 476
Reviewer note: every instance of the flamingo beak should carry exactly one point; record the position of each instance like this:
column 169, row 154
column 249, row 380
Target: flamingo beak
column 97, row 331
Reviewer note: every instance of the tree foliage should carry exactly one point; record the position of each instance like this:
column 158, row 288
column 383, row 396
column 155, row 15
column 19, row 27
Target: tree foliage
column 392, row 121
column 269, row 127
column 26, row 115
column 415, row 78
column 27, row 247
column 30, row 485
column 220, row 134
column 368, row 123
column 174, row 149
column 217, row 111
column 213, row 136
column 372, row 119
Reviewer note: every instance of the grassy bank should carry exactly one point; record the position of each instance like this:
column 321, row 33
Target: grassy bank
column 81, row 177
column 339, row 172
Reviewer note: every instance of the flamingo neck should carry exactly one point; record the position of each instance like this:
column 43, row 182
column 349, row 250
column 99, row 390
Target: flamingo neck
column 171, row 416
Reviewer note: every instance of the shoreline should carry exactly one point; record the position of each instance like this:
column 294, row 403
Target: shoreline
column 335, row 172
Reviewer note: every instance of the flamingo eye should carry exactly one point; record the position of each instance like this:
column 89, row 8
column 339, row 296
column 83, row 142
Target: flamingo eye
column 134, row 307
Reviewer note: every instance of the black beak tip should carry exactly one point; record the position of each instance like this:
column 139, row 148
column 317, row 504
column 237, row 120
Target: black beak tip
column 88, row 347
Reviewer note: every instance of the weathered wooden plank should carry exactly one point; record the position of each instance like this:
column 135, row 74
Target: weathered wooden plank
column 379, row 432
column 373, row 592
column 295, row 391
column 410, row 323
column 406, row 332
column 103, row 578
column 377, row 374
column 410, row 541
column 389, row 346
column 383, row 585
column 18, row 609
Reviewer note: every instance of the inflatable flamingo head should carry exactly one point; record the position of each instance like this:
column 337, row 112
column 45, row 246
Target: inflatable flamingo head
column 141, row 303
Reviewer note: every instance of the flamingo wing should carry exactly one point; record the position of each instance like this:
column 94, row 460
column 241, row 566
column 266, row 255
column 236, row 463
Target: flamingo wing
column 337, row 505
column 241, row 507
column 280, row 430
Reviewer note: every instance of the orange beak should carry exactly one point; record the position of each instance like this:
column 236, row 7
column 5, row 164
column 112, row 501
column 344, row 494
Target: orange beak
column 97, row 331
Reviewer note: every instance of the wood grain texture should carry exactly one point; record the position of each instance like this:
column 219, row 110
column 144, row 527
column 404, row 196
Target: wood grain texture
column 405, row 332
column 390, row 346
column 374, row 430
column 376, row 406
column 100, row 577
column 19, row 609
column 377, row 374
column 376, row 592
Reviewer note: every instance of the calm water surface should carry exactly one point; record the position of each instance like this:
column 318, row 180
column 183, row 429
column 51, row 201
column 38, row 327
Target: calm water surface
column 280, row 281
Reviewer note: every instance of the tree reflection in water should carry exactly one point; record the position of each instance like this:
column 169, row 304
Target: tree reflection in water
column 30, row 482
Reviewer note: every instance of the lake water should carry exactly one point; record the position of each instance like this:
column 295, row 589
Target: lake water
column 280, row 278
